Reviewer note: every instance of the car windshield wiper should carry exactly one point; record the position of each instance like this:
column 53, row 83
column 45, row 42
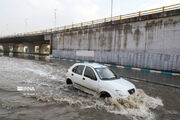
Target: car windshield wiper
column 114, row 77
column 104, row 78
column 108, row 78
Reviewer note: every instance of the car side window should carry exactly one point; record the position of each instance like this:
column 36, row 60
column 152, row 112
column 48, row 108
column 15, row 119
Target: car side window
column 78, row 69
column 90, row 73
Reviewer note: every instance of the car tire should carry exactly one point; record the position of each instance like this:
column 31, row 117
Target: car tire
column 69, row 82
column 104, row 95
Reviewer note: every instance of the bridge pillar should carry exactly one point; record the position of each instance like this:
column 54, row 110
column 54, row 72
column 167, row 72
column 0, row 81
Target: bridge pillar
column 43, row 49
column 15, row 49
column 31, row 47
column 6, row 49
column 49, row 37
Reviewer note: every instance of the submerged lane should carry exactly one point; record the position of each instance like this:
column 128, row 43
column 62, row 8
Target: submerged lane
column 52, row 99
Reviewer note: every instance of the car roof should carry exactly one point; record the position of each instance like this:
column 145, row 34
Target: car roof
column 94, row 65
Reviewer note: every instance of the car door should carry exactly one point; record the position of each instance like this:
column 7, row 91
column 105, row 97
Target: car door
column 90, row 79
column 76, row 74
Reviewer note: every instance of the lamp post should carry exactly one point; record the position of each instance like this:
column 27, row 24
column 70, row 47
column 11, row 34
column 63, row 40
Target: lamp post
column 55, row 17
column 111, row 8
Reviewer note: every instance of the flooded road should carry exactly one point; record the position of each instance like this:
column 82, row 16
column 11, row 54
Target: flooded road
column 36, row 90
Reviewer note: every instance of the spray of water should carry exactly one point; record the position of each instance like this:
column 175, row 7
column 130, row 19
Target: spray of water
column 136, row 106
column 49, row 82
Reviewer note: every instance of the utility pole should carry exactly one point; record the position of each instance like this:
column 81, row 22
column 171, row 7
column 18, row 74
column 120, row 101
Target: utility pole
column 111, row 8
column 55, row 17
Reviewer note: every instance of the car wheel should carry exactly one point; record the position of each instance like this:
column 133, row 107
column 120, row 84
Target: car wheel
column 69, row 82
column 104, row 95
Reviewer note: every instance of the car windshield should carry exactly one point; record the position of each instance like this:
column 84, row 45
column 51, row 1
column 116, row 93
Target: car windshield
column 105, row 73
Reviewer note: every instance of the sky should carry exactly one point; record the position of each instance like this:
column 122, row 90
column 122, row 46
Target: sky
column 17, row 16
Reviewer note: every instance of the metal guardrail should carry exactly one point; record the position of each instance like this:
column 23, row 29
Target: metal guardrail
column 114, row 18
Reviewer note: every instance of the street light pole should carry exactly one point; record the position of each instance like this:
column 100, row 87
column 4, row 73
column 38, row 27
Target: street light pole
column 111, row 8
column 55, row 18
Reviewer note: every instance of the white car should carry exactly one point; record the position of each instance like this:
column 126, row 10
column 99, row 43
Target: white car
column 98, row 79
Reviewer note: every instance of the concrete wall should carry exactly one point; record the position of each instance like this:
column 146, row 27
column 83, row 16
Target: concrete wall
column 152, row 43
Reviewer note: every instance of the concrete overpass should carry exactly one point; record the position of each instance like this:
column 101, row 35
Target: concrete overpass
column 145, row 39
column 28, row 41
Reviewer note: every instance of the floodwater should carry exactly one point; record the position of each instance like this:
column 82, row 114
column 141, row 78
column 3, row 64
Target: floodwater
column 36, row 90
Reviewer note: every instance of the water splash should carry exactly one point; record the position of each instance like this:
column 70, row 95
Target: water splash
column 137, row 106
column 50, row 86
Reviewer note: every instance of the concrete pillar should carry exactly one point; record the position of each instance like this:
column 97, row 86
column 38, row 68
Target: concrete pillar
column 42, row 48
column 31, row 47
column 49, row 37
column 41, row 51
column 20, row 48
column 15, row 48
column 6, row 49
column 50, row 52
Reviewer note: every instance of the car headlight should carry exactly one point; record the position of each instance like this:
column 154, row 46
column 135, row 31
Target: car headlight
column 121, row 93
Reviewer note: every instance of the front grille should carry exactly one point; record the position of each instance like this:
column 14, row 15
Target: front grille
column 131, row 91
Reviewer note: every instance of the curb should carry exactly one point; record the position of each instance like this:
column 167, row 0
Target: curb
column 158, row 83
column 124, row 67
column 33, row 55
